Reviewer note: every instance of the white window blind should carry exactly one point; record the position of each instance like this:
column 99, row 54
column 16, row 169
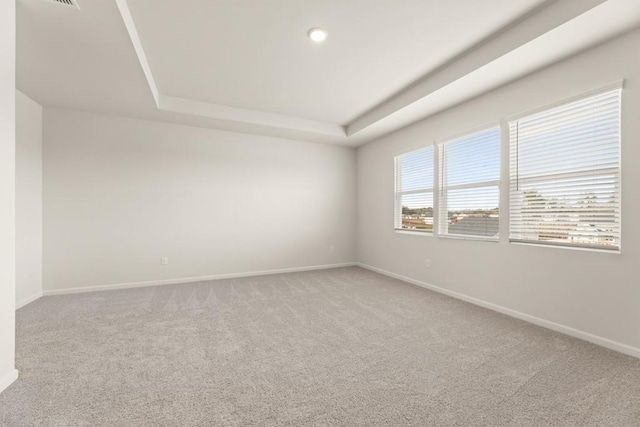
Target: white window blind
column 470, row 186
column 414, row 191
column 565, row 174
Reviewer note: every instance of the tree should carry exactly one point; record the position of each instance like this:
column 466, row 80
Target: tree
column 428, row 212
column 534, row 203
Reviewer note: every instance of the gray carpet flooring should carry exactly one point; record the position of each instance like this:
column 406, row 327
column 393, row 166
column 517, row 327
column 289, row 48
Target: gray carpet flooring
column 343, row 347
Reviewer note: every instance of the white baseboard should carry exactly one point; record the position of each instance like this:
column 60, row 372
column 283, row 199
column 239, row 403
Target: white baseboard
column 8, row 379
column 191, row 279
column 567, row 330
column 28, row 300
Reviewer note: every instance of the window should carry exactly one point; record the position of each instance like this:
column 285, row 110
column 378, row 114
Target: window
column 414, row 191
column 565, row 174
column 470, row 186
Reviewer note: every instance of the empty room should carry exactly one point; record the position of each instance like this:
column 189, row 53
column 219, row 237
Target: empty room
column 320, row 213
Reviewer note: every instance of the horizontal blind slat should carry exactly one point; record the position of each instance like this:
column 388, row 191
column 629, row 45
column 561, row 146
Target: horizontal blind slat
column 565, row 174
column 469, row 187
column 414, row 190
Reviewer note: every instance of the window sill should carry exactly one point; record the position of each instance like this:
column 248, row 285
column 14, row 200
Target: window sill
column 573, row 248
column 413, row 233
column 478, row 239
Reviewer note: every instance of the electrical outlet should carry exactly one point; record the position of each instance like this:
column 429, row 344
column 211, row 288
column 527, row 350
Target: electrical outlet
column 332, row 249
column 164, row 260
column 427, row 263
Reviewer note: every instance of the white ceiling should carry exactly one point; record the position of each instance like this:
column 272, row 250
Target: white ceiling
column 255, row 54
column 79, row 58
column 247, row 65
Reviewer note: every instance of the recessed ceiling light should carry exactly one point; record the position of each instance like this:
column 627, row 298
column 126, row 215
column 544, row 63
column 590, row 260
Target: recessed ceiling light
column 317, row 34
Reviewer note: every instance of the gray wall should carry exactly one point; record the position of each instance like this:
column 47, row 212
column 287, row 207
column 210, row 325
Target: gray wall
column 28, row 199
column 121, row 193
column 597, row 293
column 8, row 374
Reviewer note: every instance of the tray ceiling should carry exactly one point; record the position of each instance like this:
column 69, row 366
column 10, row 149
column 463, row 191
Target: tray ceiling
column 248, row 66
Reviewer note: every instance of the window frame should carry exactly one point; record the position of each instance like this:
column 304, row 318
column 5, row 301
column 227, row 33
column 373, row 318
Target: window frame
column 504, row 181
column 397, row 193
column 441, row 172
column 618, row 85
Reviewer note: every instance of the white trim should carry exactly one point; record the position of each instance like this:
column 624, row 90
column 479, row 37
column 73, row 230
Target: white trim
column 413, row 232
column 542, row 243
column 504, row 215
column 567, row 330
column 191, row 279
column 123, row 7
column 263, row 118
column 28, row 299
column 8, row 379
column 469, row 237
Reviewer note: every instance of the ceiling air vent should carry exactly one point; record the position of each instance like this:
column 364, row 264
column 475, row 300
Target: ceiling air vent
column 67, row 3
